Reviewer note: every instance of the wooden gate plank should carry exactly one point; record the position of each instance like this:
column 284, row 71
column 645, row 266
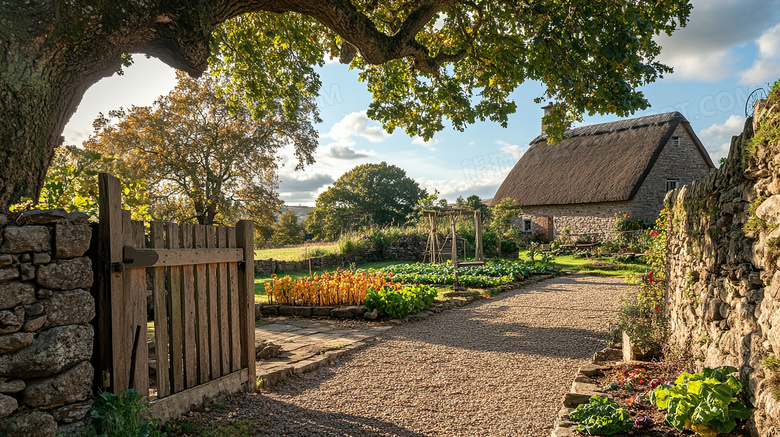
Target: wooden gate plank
column 246, row 290
column 110, row 310
column 157, row 231
column 188, row 312
column 123, row 325
column 235, row 326
column 224, row 316
column 214, row 332
column 202, row 308
column 138, row 311
column 175, row 313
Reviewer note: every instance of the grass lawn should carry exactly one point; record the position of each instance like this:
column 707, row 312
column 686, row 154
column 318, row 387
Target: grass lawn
column 288, row 253
column 597, row 266
column 260, row 280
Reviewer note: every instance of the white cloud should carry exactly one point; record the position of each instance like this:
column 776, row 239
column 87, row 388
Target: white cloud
column 511, row 149
column 427, row 144
column 356, row 124
column 717, row 138
column 767, row 66
column 339, row 151
column 707, row 48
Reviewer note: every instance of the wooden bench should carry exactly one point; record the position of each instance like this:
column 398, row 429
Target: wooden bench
column 471, row 264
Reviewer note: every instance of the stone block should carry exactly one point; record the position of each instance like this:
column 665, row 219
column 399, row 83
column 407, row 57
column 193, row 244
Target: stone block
column 73, row 307
column 12, row 386
column 15, row 341
column 6, row 260
column 358, row 310
column 7, row 406
column 269, row 310
column 73, row 385
column 26, row 239
column 8, row 273
column 34, row 324
column 66, row 274
column 769, row 210
column 78, row 216
column 321, row 311
column 71, row 239
column 42, row 216
column 13, row 294
column 26, row 272
column 72, row 412
column 372, row 315
column 289, row 310
column 29, row 424
column 41, row 258
column 55, row 349
column 342, row 313
column 11, row 320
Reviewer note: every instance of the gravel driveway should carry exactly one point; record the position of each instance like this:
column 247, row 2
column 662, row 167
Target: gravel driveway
column 498, row 367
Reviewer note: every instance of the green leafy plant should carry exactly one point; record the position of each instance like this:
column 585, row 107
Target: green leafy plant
column 705, row 402
column 398, row 303
column 121, row 415
column 601, row 416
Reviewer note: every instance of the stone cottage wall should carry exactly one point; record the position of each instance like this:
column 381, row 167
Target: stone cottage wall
column 724, row 277
column 45, row 337
column 682, row 163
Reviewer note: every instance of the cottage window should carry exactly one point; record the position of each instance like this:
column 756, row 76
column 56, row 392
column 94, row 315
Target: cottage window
column 672, row 185
column 527, row 225
column 676, row 141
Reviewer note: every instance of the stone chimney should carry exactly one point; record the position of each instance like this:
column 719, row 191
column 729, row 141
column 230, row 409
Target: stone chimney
column 547, row 110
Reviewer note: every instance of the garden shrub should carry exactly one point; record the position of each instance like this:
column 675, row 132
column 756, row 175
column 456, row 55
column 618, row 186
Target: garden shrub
column 399, row 302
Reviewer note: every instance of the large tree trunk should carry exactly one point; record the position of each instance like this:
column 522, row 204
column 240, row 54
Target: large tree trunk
column 51, row 51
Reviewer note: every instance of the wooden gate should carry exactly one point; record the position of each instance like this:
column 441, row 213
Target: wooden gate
column 202, row 282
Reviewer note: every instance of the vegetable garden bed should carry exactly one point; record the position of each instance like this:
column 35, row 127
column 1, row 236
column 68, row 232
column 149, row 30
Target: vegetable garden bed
column 630, row 386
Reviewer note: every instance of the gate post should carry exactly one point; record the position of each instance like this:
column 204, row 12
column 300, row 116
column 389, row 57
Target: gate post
column 109, row 285
column 246, row 291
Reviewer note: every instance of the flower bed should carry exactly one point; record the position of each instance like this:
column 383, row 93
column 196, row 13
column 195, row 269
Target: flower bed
column 329, row 289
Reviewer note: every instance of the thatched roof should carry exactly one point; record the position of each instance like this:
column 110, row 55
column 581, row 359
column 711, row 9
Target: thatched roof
column 605, row 162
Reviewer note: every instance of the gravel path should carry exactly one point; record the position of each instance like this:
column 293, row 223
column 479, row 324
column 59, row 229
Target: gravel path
column 498, row 367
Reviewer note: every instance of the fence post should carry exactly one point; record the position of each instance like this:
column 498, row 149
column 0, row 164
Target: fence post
column 246, row 289
column 109, row 341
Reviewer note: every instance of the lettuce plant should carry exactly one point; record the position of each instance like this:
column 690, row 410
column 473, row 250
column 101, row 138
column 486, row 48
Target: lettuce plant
column 601, row 416
column 705, row 402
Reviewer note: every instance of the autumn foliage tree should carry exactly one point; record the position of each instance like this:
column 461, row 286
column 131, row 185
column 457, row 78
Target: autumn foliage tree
column 427, row 63
column 203, row 160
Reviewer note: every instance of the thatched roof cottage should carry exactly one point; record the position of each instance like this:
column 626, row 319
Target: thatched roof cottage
column 597, row 171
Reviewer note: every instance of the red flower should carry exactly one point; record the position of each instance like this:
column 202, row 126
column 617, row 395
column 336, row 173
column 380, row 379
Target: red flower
column 653, row 233
column 658, row 309
column 650, row 277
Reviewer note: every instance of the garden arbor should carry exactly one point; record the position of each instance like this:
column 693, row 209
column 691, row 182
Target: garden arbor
column 433, row 249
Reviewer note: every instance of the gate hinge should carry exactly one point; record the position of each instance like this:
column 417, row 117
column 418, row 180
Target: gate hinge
column 106, row 379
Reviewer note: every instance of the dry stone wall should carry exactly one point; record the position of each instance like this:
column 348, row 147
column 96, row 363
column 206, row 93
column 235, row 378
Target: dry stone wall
column 724, row 276
column 46, row 340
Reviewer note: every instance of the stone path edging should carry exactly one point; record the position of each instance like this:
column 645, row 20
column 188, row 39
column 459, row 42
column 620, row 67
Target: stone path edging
column 582, row 388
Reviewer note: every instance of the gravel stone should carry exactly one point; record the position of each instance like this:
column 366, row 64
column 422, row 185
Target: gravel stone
column 497, row 367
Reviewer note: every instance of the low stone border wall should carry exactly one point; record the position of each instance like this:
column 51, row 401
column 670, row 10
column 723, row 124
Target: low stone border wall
column 457, row 299
column 406, row 252
column 582, row 389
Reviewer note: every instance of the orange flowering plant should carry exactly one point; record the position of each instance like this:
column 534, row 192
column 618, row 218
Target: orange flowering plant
column 340, row 287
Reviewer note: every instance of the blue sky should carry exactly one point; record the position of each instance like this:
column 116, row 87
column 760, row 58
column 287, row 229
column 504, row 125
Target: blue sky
column 728, row 49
